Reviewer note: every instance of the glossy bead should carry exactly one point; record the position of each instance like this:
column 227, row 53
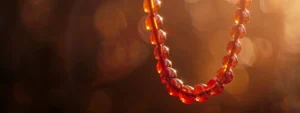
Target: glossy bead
column 158, row 20
column 161, row 36
column 174, row 86
column 214, row 87
column 164, row 52
column 167, row 74
column 166, row 63
column 241, row 16
column 224, row 76
column 244, row 3
column 200, row 92
column 186, row 94
column 238, row 31
column 154, row 5
column 236, row 45
column 230, row 61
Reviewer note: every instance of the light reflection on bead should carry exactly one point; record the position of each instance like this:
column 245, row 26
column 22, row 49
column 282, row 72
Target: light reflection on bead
column 224, row 76
column 155, row 6
column 241, row 16
column 164, row 52
column 229, row 60
column 158, row 21
column 167, row 73
column 161, row 36
column 238, row 31
column 174, row 86
column 236, row 45
column 214, row 87
column 166, row 63
column 244, row 3
column 186, row 94
column 200, row 92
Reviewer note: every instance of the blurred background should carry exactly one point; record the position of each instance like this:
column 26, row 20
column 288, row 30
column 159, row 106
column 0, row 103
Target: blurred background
column 94, row 56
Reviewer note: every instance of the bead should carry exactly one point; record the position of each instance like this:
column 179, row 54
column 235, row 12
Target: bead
column 186, row 94
column 174, row 86
column 200, row 92
column 244, row 3
column 230, row 61
column 167, row 73
column 161, row 36
column 214, row 87
column 238, row 31
column 236, row 45
column 158, row 20
column 241, row 16
column 166, row 63
column 224, row 76
column 155, row 6
column 164, row 52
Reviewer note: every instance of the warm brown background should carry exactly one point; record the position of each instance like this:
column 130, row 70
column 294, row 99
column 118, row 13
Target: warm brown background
column 93, row 56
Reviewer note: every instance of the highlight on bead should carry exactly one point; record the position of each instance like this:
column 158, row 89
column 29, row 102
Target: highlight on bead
column 168, row 75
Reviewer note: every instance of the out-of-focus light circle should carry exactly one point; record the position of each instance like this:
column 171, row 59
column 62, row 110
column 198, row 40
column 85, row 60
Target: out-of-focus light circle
column 143, row 32
column 110, row 20
column 192, row 1
column 272, row 6
column 248, row 55
column 264, row 47
column 240, row 82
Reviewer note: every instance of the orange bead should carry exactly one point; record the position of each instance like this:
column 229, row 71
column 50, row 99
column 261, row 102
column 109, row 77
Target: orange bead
column 214, row 87
column 244, row 3
column 241, row 16
column 174, row 86
column 157, row 19
column 238, row 31
column 166, row 63
column 154, row 5
column 161, row 36
column 186, row 94
column 164, row 50
column 200, row 92
column 236, row 45
column 167, row 74
column 230, row 61
column 224, row 76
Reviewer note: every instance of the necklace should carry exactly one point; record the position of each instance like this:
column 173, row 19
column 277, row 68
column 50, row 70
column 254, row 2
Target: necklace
column 168, row 75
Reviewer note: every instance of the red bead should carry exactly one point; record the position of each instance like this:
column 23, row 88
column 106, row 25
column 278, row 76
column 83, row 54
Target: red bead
column 167, row 74
column 164, row 52
column 174, row 86
column 154, row 5
column 161, row 36
column 200, row 92
column 186, row 94
column 244, row 3
column 158, row 20
column 238, row 31
column 214, row 87
column 234, row 45
column 230, row 61
column 241, row 16
column 224, row 76
column 166, row 63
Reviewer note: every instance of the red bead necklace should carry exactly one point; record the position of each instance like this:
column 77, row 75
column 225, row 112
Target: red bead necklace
column 168, row 75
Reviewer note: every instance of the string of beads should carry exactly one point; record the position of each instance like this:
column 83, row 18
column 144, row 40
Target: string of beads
column 168, row 75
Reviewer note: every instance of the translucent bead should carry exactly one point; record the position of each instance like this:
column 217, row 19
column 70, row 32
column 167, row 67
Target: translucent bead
column 167, row 74
column 241, row 16
column 236, row 45
column 164, row 52
column 161, row 36
column 238, row 31
column 214, row 87
column 166, row 63
column 244, row 3
column 154, row 5
column 174, row 86
column 158, row 20
column 224, row 76
column 186, row 94
column 230, row 61
column 200, row 92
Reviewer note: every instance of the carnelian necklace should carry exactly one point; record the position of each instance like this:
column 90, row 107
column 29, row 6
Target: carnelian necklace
column 168, row 75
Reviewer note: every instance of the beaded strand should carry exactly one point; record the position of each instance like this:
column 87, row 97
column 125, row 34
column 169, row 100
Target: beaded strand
column 168, row 75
